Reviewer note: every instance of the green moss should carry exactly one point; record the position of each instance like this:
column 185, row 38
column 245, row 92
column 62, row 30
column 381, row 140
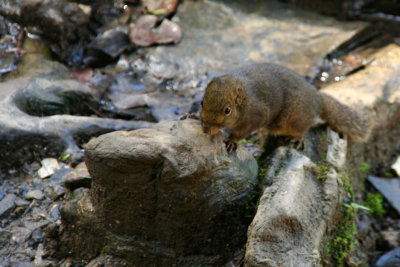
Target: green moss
column 322, row 170
column 244, row 140
column 364, row 167
column 375, row 203
column 389, row 174
column 343, row 242
column 105, row 250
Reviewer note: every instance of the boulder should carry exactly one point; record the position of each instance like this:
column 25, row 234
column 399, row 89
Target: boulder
column 170, row 194
column 45, row 112
column 295, row 208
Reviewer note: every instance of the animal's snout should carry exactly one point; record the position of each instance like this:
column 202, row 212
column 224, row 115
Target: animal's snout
column 206, row 130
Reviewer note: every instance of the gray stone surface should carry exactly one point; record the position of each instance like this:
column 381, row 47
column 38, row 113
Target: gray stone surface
column 295, row 210
column 228, row 34
column 39, row 113
column 34, row 194
column 390, row 259
column 7, row 204
column 170, row 194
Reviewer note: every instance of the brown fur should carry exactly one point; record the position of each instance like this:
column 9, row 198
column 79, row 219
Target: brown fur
column 276, row 98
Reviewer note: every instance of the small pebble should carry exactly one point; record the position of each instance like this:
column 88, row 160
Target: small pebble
column 34, row 194
column 49, row 167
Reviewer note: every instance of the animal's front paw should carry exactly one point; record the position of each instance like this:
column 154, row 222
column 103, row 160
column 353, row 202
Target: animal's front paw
column 230, row 145
column 189, row 116
column 297, row 142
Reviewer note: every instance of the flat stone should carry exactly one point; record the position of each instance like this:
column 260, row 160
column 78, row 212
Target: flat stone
column 21, row 202
column 54, row 186
column 34, row 194
column 7, row 204
column 231, row 34
column 390, row 259
column 389, row 188
column 378, row 81
column 49, row 167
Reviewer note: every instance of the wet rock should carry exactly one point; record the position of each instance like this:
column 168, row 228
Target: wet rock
column 140, row 32
column 389, row 188
column 2, row 194
column 295, row 208
column 10, row 34
column 21, row 202
column 7, row 204
column 174, row 179
column 390, row 259
column 144, row 32
column 106, row 48
column 112, row 42
column 26, row 133
column 8, row 64
column 49, row 167
column 79, row 177
column 54, row 186
column 379, row 81
column 34, row 194
column 231, row 34
column 61, row 22
column 167, row 32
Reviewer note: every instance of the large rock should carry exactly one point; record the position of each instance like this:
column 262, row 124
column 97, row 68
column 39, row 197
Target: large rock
column 170, row 194
column 377, row 90
column 41, row 113
column 295, row 209
column 231, row 33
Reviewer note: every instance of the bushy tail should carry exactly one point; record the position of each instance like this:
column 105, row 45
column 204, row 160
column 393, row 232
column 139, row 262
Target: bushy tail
column 343, row 119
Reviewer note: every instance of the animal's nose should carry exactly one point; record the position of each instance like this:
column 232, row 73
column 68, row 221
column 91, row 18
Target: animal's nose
column 206, row 130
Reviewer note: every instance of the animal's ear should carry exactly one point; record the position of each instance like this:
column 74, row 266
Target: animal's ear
column 239, row 96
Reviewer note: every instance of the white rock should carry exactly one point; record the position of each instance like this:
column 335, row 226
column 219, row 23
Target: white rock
column 396, row 166
column 49, row 167
column 34, row 194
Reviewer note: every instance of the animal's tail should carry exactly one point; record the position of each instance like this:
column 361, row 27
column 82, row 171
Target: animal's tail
column 343, row 119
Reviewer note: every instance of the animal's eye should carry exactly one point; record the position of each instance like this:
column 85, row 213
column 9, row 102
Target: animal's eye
column 228, row 110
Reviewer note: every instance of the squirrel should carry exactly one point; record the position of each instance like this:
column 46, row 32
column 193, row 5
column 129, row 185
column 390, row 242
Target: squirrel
column 271, row 96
